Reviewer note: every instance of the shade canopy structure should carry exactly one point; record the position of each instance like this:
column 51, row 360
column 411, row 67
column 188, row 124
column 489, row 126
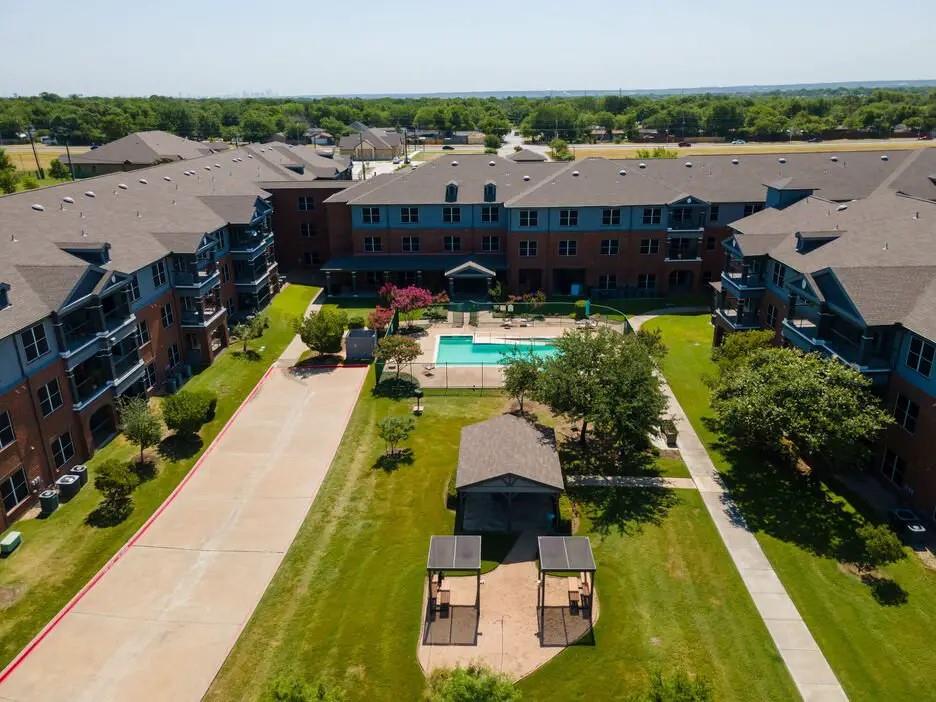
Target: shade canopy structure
column 566, row 554
column 454, row 553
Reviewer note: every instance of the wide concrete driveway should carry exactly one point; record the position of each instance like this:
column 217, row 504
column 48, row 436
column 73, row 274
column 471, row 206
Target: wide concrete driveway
column 159, row 622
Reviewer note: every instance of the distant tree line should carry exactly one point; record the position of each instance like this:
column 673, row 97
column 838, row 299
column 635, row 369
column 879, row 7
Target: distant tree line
column 86, row 120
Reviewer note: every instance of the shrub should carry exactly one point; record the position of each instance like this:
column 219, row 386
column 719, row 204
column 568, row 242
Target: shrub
column 678, row 688
column 436, row 314
column 379, row 319
column 186, row 411
column 29, row 183
column 322, row 331
column 59, row 170
column 881, row 546
column 580, row 309
column 356, row 322
column 286, row 689
column 115, row 481
column 472, row 684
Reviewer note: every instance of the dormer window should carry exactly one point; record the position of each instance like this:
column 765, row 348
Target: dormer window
column 451, row 192
column 4, row 296
column 490, row 191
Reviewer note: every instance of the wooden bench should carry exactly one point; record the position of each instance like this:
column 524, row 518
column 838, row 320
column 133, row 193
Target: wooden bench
column 574, row 595
column 10, row 543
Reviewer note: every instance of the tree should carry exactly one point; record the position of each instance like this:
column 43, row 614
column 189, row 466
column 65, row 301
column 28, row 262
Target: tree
column 791, row 404
column 736, row 347
column 139, row 422
column 409, row 300
column 521, row 373
column 379, row 318
column 472, row 684
column 59, row 170
column 677, row 688
column 394, row 430
column 399, row 349
column 186, row 411
column 7, row 173
column 115, row 481
column 249, row 329
column 492, row 141
column 559, row 150
column 881, row 546
column 322, row 331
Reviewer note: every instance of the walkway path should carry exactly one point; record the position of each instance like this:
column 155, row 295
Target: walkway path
column 159, row 620
column 807, row 665
column 633, row 481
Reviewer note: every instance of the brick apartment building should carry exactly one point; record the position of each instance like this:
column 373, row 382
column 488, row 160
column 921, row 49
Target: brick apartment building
column 121, row 283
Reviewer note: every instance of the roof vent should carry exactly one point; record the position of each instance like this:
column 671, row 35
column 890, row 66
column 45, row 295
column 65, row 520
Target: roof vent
column 884, row 157
column 735, row 161
column 143, row 180
column 249, row 155
column 575, row 173
column 69, row 199
column 781, row 160
column 688, row 164
column 454, row 163
column 207, row 168
column 90, row 193
column 622, row 172
column 916, row 215
column 641, row 165
column 841, row 208
column 122, row 186
column 38, row 208
column 492, row 163
column 167, row 179
column 833, row 158
column 526, row 177
column 217, row 165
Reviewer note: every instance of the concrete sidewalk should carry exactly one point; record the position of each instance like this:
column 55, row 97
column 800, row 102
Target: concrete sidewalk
column 161, row 619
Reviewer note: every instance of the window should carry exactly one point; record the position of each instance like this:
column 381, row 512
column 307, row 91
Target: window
column 7, row 435
column 681, row 217
column 893, row 467
column 50, row 397
column 490, row 243
column 193, row 342
column 649, row 246
column 175, row 356
column 610, row 217
column 528, row 248
column 451, row 215
column 906, row 412
column 311, row 258
column 371, row 215
column 35, row 343
column 4, row 298
column 307, row 230
column 710, row 243
column 372, row 244
column 165, row 314
column 920, row 356
column 646, row 281
column 410, row 244
column 607, row 281
column 14, row 489
column 771, row 316
column 568, row 247
column 158, row 270
column 609, row 247
column 134, row 290
column 451, row 243
column 753, row 207
column 529, row 218
column 150, row 376
column 489, row 214
column 62, row 449
column 306, row 203
column 409, row 215
column 451, row 192
column 568, row 218
column 490, row 192
column 779, row 274
column 652, row 215
column 713, row 213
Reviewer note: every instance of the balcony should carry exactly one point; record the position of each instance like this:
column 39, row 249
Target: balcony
column 253, row 275
column 737, row 320
column 743, row 283
column 683, row 251
column 250, row 243
column 198, row 278
column 202, row 316
column 804, row 333
column 693, row 222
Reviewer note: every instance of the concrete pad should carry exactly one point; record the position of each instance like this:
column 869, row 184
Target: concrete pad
column 190, row 586
column 791, row 634
column 775, row 605
column 808, row 667
column 241, row 475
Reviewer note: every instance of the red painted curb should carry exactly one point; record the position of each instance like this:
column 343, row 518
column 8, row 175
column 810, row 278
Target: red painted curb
column 48, row 628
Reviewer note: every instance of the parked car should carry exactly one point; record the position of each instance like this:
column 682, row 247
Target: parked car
column 739, row 141
column 684, row 143
column 396, row 159
column 907, row 525
column 448, row 147
column 924, row 137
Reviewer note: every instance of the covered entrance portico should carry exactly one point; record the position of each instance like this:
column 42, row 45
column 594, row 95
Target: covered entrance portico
column 470, row 279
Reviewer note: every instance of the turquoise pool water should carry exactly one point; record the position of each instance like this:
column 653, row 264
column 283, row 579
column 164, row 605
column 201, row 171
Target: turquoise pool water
column 463, row 351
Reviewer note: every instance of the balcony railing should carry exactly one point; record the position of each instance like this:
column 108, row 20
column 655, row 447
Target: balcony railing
column 680, row 253
column 250, row 242
column 690, row 223
column 736, row 320
column 201, row 317
column 253, row 275
column 197, row 278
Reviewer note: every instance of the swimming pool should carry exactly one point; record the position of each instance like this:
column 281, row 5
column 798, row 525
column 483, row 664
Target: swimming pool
column 465, row 351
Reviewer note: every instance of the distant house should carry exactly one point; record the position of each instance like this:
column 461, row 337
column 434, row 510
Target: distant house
column 466, row 137
column 139, row 150
column 372, row 144
column 526, row 156
column 318, row 137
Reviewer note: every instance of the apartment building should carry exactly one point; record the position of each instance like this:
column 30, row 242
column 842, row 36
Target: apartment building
column 120, row 284
column 855, row 281
column 597, row 226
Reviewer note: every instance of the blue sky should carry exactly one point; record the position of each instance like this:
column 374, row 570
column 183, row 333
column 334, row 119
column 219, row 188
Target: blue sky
column 214, row 47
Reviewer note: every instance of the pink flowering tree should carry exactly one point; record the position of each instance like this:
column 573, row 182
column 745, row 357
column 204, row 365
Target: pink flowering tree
column 379, row 318
column 409, row 300
column 385, row 294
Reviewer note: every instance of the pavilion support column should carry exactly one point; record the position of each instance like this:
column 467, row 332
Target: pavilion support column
column 354, row 281
column 419, row 278
column 328, row 283
column 451, row 286
column 509, row 511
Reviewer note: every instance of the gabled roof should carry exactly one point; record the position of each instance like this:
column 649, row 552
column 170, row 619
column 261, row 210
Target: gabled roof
column 527, row 155
column 470, row 267
column 508, row 445
column 144, row 149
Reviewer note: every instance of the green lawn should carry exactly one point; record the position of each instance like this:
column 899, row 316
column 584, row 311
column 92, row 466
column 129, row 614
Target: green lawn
column 634, row 306
column 879, row 645
column 670, row 598
column 345, row 603
column 40, row 182
column 61, row 553
column 353, row 306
